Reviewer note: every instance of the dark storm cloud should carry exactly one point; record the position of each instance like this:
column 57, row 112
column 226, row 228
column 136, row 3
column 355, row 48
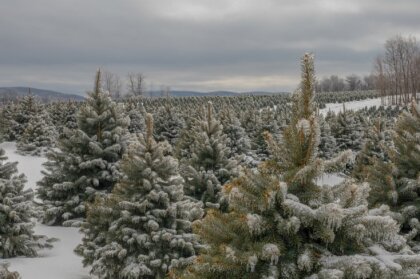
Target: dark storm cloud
column 194, row 44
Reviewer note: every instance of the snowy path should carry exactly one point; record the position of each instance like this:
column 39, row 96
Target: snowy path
column 353, row 105
column 59, row 262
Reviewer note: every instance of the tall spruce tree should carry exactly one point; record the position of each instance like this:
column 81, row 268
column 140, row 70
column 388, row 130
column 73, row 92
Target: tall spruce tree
column 282, row 224
column 86, row 163
column 17, row 237
column 143, row 229
column 209, row 166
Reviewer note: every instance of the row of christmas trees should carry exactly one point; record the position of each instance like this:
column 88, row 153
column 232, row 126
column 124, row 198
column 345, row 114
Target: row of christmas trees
column 136, row 204
column 35, row 127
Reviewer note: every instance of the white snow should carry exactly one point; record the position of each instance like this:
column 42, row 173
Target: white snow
column 353, row 105
column 330, row 179
column 59, row 262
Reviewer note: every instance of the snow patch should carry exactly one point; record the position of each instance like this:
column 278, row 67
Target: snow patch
column 353, row 105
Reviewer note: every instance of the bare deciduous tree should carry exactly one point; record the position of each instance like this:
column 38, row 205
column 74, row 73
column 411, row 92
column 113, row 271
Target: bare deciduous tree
column 135, row 84
column 112, row 84
column 397, row 70
column 353, row 82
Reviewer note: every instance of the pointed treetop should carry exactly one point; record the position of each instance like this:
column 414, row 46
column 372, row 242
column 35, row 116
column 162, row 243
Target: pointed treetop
column 97, row 88
column 307, row 85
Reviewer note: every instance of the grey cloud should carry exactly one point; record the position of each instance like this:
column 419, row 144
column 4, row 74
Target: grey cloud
column 187, row 42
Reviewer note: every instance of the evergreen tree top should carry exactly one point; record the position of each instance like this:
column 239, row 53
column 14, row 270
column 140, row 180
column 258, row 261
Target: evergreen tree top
column 100, row 114
column 159, row 170
column 296, row 157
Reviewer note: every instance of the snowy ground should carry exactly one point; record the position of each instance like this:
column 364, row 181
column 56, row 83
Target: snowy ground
column 59, row 262
column 354, row 105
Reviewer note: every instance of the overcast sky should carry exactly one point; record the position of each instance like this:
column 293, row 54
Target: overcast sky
column 241, row 45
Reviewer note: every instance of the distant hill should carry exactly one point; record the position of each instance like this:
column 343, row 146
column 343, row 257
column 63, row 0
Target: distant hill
column 186, row 93
column 45, row 96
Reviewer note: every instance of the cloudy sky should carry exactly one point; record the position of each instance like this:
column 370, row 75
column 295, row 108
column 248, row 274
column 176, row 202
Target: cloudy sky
column 241, row 45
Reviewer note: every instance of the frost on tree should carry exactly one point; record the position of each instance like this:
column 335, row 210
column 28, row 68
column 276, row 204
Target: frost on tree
column 6, row 274
column 143, row 228
column 376, row 142
column 209, row 166
column 281, row 224
column 17, row 237
column 397, row 182
column 327, row 145
column 86, row 162
column 238, row 141
column 18, row 116
column 39, row 136
column 168, row 125
column 135, row 111
column 348, row 130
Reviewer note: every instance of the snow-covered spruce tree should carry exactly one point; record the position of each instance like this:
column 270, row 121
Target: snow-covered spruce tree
column 135, row 112
column 27, row 107
column 39, row 136
column 209, row 166
column 397, row 182
column 17, row 237
column 377, row 139
column 6, row 274
column 265, row 123
column 63, row 114
column 348, row 130
column 281, row 224
column 238, row 141
column 168, row 125
column 143, row 229
column 86, row 163
column 327, row 144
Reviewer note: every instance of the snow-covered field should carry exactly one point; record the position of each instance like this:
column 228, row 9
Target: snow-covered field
column 59, row 262
column 354, row 105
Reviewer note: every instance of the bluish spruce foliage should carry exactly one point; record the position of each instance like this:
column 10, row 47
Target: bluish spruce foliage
column 143, row 228
column 86, row 163
column 209, row 166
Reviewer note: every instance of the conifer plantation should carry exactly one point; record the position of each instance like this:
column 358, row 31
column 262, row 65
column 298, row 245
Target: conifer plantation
column 207, row 145
column 250, row 186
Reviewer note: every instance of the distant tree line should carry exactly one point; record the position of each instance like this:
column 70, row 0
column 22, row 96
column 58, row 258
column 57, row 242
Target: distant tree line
column 335, row 83
column 397, row 70
column 134, row 85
